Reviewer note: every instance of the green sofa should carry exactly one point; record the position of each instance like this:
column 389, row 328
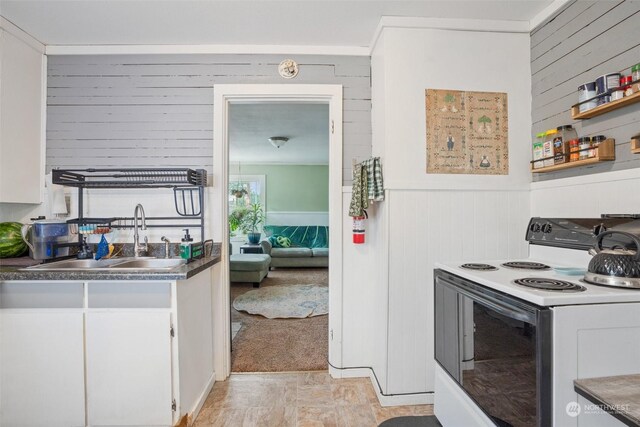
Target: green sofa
column 309, row 245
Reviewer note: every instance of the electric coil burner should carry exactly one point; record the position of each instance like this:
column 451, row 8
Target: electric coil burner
column 479, row 267
column 549, row 284
column 526, row 265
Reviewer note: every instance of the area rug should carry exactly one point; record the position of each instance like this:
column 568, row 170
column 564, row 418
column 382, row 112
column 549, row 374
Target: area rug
column 283, row 302
column 277, row 345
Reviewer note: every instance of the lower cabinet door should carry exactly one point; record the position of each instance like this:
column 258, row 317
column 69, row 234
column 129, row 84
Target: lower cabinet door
column 128, row 357
column 41, row 368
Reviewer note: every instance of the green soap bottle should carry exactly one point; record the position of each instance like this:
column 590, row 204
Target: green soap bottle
column 185, row 245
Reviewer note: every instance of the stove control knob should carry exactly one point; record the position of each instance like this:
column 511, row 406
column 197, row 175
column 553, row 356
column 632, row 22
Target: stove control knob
column 535, row 227
column 599, row 229
column 546, row 228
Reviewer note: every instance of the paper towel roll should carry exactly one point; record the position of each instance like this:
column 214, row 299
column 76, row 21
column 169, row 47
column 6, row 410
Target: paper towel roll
column 57, row 204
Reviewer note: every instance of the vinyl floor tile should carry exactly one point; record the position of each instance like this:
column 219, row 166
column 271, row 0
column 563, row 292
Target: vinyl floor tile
column 302, row 399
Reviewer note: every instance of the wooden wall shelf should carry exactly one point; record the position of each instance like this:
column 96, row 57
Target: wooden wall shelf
column 605, row 152
column 635, row 144
column 604, row 108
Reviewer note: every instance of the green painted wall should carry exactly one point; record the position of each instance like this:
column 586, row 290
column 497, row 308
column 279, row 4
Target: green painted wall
column 292, row 188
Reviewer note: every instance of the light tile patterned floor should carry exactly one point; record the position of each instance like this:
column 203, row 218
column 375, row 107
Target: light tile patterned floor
column 297, row 400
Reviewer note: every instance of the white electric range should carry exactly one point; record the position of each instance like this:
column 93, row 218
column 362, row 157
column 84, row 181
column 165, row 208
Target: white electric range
column 507, row 353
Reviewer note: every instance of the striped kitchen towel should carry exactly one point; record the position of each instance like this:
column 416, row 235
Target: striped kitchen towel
column 375, row 183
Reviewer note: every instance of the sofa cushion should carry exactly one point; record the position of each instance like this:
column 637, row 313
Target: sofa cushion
column 305, row 236
column 320, row 251
column 249, row 262
column 291, row 252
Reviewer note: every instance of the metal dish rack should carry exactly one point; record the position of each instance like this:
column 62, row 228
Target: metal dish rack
column 188, row 191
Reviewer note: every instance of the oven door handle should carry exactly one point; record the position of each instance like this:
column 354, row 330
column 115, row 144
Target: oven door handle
column 499, row 306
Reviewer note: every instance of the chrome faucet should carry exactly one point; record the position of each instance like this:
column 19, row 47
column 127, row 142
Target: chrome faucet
column 167, row 250
column 139, row 249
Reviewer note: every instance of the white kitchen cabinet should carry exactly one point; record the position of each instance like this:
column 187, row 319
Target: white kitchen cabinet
column 41, row 354
column 22, row 118
column 128, row 353
column 105, row 353
column 129, row 368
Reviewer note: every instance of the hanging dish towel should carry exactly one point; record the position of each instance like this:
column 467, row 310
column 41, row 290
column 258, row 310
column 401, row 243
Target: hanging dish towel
column 359, row 193
column 375, row 183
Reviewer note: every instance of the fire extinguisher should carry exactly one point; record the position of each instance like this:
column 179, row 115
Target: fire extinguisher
column 359, row 228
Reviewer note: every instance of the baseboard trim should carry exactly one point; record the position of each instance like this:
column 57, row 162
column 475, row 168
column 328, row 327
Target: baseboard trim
column 192, row 415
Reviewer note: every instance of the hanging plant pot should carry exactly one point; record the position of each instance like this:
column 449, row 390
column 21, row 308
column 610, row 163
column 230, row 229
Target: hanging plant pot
column 254, row 238
column 238, row 193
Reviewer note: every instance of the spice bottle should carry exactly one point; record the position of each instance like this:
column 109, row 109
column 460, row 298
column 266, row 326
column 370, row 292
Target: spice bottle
column 548, row 154
column 561, row 143
column 538, row 150
column 625, row 82
column 585, row 143
column 574, row 147
column 635, row 72
column 595, row 143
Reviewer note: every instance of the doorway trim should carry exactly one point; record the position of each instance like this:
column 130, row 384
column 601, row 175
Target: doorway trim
column 223, row 96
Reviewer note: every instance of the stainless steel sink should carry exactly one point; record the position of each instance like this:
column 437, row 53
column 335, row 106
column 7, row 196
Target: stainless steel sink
column 115, row 264
column 153, row 263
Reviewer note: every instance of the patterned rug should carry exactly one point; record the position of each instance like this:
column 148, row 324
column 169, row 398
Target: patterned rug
column 279, row 302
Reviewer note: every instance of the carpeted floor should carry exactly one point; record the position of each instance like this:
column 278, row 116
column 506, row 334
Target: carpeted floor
column 278, row 345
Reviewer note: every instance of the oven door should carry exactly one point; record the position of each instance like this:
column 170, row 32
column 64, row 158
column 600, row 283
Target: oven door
column 497, row 348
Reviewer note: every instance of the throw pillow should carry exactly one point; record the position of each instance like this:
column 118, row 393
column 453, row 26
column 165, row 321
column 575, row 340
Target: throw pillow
column 280, row 241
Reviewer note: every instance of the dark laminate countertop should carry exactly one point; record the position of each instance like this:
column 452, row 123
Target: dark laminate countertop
column 619, row 395
column 184, row 272
column 17, row 272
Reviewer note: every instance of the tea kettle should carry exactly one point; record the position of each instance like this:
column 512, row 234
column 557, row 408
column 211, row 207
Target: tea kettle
column 42, row 237
column 615, row 267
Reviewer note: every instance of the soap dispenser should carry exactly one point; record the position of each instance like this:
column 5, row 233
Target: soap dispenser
column 185, row 245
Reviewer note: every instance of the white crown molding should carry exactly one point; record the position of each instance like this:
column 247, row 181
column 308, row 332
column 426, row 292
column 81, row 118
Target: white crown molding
column 482, row 25
column 546, row 13
column 204, row 49
column 18, row 32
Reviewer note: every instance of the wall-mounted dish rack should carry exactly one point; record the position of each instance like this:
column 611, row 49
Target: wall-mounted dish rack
column 188, row 191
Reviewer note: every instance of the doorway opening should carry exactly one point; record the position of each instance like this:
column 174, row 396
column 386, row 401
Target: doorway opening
column 278, row 228
column 246, row 181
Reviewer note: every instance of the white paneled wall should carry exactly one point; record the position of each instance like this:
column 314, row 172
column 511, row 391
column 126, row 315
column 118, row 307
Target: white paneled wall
column 427, row 217
column 388, row 281
column 587, row 196
column 438, row 226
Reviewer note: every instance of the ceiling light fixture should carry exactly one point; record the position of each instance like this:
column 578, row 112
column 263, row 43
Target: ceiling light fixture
column 278, row 141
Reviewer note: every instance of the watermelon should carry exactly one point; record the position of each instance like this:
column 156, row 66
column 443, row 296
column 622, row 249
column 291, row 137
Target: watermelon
column 11, row 243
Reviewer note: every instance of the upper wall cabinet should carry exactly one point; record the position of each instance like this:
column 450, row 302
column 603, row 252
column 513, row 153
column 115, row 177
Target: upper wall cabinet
column 22, row 94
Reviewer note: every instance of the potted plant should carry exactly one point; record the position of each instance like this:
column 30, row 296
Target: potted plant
column 235, row 219
column 250, row 222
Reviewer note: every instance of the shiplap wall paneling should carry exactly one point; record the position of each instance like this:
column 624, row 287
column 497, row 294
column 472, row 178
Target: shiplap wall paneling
column 585, row 40
column 460, row 225
column 157, row 110
column 613, row 193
